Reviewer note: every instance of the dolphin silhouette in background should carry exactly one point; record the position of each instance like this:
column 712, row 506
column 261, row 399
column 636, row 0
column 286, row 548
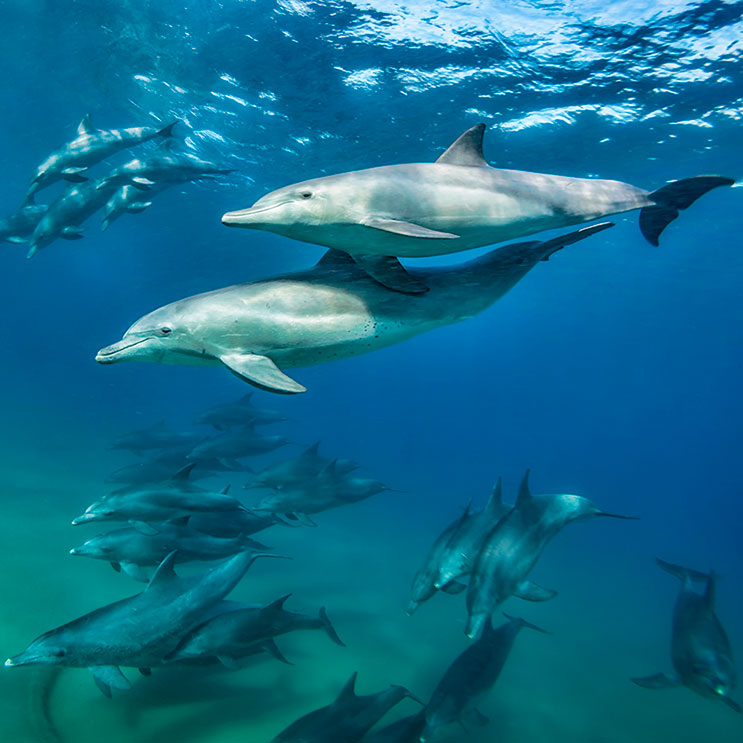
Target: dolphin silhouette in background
column 89, row 147
column 700, row 649
column 457, row 203
column 16, row 227
column 332, row 311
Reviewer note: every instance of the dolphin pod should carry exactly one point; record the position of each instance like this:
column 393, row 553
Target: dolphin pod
column 457, row 203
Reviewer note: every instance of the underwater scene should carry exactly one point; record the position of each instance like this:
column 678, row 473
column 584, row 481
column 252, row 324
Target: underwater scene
column 405, row 289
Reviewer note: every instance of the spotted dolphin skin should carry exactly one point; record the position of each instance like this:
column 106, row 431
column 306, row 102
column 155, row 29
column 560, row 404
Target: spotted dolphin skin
column 457, row 203
column 700, row 649
column 89, row 147
column 329, row 312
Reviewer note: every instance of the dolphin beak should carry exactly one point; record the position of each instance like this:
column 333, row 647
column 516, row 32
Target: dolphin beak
column 246, row 217
column 81, row 520
column 118, row 351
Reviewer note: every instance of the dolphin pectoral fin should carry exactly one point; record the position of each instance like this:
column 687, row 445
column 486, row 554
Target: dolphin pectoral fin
column 72, row 233
column 657, row 681
column 272, row 649
column 143, row 184
column 303, row 518
column 139, row 206
column 532, row 592
column 144, row 528
column 408, row 229
column 15, row 239
column 135, row 571
column 387, row 270
column 145, row 671
column 73, row 175
column 229, row 662
column 261, row 372
column 109, row 677
column 116, row 566
column 476, row 718
column 453, row 587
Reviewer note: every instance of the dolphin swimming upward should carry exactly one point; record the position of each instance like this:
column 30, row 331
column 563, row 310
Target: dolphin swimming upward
column 332, row 311
column 457, row 203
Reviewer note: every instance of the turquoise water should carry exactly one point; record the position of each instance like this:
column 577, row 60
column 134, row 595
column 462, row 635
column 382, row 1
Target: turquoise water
column 611, row 371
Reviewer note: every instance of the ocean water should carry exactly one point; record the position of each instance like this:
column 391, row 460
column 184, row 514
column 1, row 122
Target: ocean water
column 612, row 371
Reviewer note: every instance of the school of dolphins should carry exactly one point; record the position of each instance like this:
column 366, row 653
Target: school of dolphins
column 357, row 298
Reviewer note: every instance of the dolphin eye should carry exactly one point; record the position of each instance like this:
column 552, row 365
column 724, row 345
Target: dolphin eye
column 166, row 330
column 306, row 194
column 60, row 653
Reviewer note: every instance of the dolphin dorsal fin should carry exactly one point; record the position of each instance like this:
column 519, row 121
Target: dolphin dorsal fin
column 225, row 490
column 466, row 150
column 496, row 496
column 85, row 127
column 524, row 496
column 278, row 604
column 348, row 691
column 184, row 472
column 164, row 575
column 312, row 451
column 335, row 258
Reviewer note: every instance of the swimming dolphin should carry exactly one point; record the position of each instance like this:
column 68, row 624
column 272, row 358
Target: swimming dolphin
column 470, row 677
column 406, row 730
column 160, row 168
column 138, row 631
column 700, row 649
column 157, row 436
column 89, row 147
column 513, row 546
column 130, row 550
column 457, row 203
column 237, row 444
column 129, row 200
column 329, row 312
column 346, row 720
column 227, row 635
column 66, row 214
column 238, row 414
column 17, row 226
column 230, row 524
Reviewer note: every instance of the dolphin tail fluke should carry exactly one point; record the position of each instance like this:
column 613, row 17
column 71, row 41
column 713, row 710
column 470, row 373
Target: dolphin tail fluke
column 672, row 198
column 329, row 629
column 685, row 575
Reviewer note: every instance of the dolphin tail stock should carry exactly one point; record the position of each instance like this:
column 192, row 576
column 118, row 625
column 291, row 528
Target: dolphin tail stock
column 672, row 198
column 685, row 575
column 329, row 629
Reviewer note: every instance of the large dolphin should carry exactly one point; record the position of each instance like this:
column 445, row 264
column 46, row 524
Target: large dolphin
column 329, row 312
column 700, row 649
column 457, row 203
column 513, row 547
column 89, row 147
column 138, row 631
column 16, row 227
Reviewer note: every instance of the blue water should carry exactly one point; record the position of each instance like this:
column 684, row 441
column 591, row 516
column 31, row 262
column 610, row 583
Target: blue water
column 612, row 371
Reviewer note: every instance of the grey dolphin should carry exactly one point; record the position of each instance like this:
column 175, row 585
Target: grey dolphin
column 130, row 550
column 164, row 166
column 329, row 312
column 700, row 649
column 89, row 147
column 470, row 677
column 67, row 212
column 17, row 226
column 234, row 523
column 457, row 203
column 513, row 546
column 237, row 444
column 129, row 200
column 346, row 720
column 227, row 635
column 137, row 631
column 156, row 436
column 406, row 730
column 240, row 413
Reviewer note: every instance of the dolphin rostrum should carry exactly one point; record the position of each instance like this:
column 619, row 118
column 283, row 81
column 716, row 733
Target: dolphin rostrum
column 457, row 203
column 700, row 649
column 89, row 147
column 332, row 311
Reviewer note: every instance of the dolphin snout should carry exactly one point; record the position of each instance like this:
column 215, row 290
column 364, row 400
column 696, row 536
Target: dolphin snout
column 118, row 351
column 246, row 217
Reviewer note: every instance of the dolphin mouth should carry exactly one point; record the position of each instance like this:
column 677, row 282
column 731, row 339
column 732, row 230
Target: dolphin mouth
column 111, row 354
column 82, row 520
column 244, row 217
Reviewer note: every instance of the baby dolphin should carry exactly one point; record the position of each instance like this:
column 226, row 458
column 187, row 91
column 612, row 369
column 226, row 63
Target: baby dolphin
column 89, row 147
column 346, row 720
column 329, row 312
column 700, row 649
column 457, row 203
column 513, row 547
column 470, row 677
column 17, row 226
column 137, row 631
column 128, row 200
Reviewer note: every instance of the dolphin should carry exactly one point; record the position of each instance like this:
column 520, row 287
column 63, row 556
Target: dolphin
column 329, row 312
column 346, row 720
column 230, row 524
column 513, row 546
column 89, row 147
column 130, row 550
column 236, row 444
column 67, row 212
column 17, row 226
column 405, row 730
column 238, row 414
column 157, row 436
column 227, row 635
column 160, row 168
column 700, row 649
column 457, row 203
column 138, row 631
column 470, row 677
column 129, row 200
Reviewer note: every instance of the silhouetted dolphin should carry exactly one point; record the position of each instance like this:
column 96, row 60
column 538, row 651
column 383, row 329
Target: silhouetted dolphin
column 16, row 227
column 329, row 312
column 91, row 146
column 700, row 649
column 458, row 202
